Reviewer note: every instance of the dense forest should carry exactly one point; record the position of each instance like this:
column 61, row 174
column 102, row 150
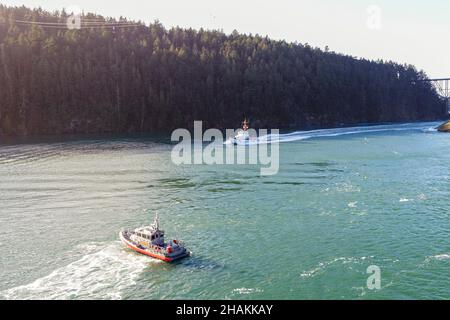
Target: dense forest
column 124, row 76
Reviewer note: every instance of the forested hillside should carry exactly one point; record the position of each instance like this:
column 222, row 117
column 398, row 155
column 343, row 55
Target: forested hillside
column 148, row 78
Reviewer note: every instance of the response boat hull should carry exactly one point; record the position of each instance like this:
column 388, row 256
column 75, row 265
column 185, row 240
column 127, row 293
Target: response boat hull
column 445, row 127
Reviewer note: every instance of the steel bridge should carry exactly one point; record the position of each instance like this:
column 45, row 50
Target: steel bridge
column 442, row 87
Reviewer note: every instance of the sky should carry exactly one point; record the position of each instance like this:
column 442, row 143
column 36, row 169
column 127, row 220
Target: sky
column 405, row 31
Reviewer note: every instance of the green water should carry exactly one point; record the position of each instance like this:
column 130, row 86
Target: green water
column 342, row 200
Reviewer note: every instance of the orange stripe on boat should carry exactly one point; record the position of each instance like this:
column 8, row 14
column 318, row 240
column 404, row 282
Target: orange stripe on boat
column 160, row 257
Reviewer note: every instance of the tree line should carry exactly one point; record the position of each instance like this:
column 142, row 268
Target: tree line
column 146, row 78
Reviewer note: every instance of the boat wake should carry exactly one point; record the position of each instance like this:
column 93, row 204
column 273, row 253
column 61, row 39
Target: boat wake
column 442, row 257
column 320, row 268
column 425, row 127
column 103, row 273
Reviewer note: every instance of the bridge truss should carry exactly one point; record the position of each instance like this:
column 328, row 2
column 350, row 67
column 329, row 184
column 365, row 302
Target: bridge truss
column 442, row 87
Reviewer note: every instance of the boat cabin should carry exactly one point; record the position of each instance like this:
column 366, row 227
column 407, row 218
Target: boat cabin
column 151, row 234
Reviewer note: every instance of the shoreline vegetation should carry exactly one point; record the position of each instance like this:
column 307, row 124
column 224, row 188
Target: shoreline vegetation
column 164, row 137
column 149, row 79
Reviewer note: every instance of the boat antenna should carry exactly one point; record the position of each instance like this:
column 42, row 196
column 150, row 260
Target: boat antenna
column 245, row 124
column 156, row 220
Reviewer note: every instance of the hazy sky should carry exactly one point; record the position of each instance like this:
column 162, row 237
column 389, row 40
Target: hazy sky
column 405, row 31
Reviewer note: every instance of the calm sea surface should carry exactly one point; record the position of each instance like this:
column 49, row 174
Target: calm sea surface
column 343, row 200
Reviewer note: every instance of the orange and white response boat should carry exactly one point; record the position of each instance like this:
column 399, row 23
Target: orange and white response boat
column 150, row 241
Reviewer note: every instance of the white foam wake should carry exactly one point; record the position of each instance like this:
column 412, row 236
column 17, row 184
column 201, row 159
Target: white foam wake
column 442, row 257
column 320, row 268
column 335, row 132
column 102, row 273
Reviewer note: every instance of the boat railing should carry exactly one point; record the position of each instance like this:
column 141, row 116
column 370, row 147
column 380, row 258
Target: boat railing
column 180, row 243
column 157, row 248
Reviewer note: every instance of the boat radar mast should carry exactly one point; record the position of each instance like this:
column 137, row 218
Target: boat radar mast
column 155, row 223
column 242, row 136
column 245, row 124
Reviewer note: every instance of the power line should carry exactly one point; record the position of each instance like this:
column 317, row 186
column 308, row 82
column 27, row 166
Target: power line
column 81, row 20
column 83, row 24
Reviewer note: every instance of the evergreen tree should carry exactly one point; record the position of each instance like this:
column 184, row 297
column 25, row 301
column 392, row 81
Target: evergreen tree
column 147, row 78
